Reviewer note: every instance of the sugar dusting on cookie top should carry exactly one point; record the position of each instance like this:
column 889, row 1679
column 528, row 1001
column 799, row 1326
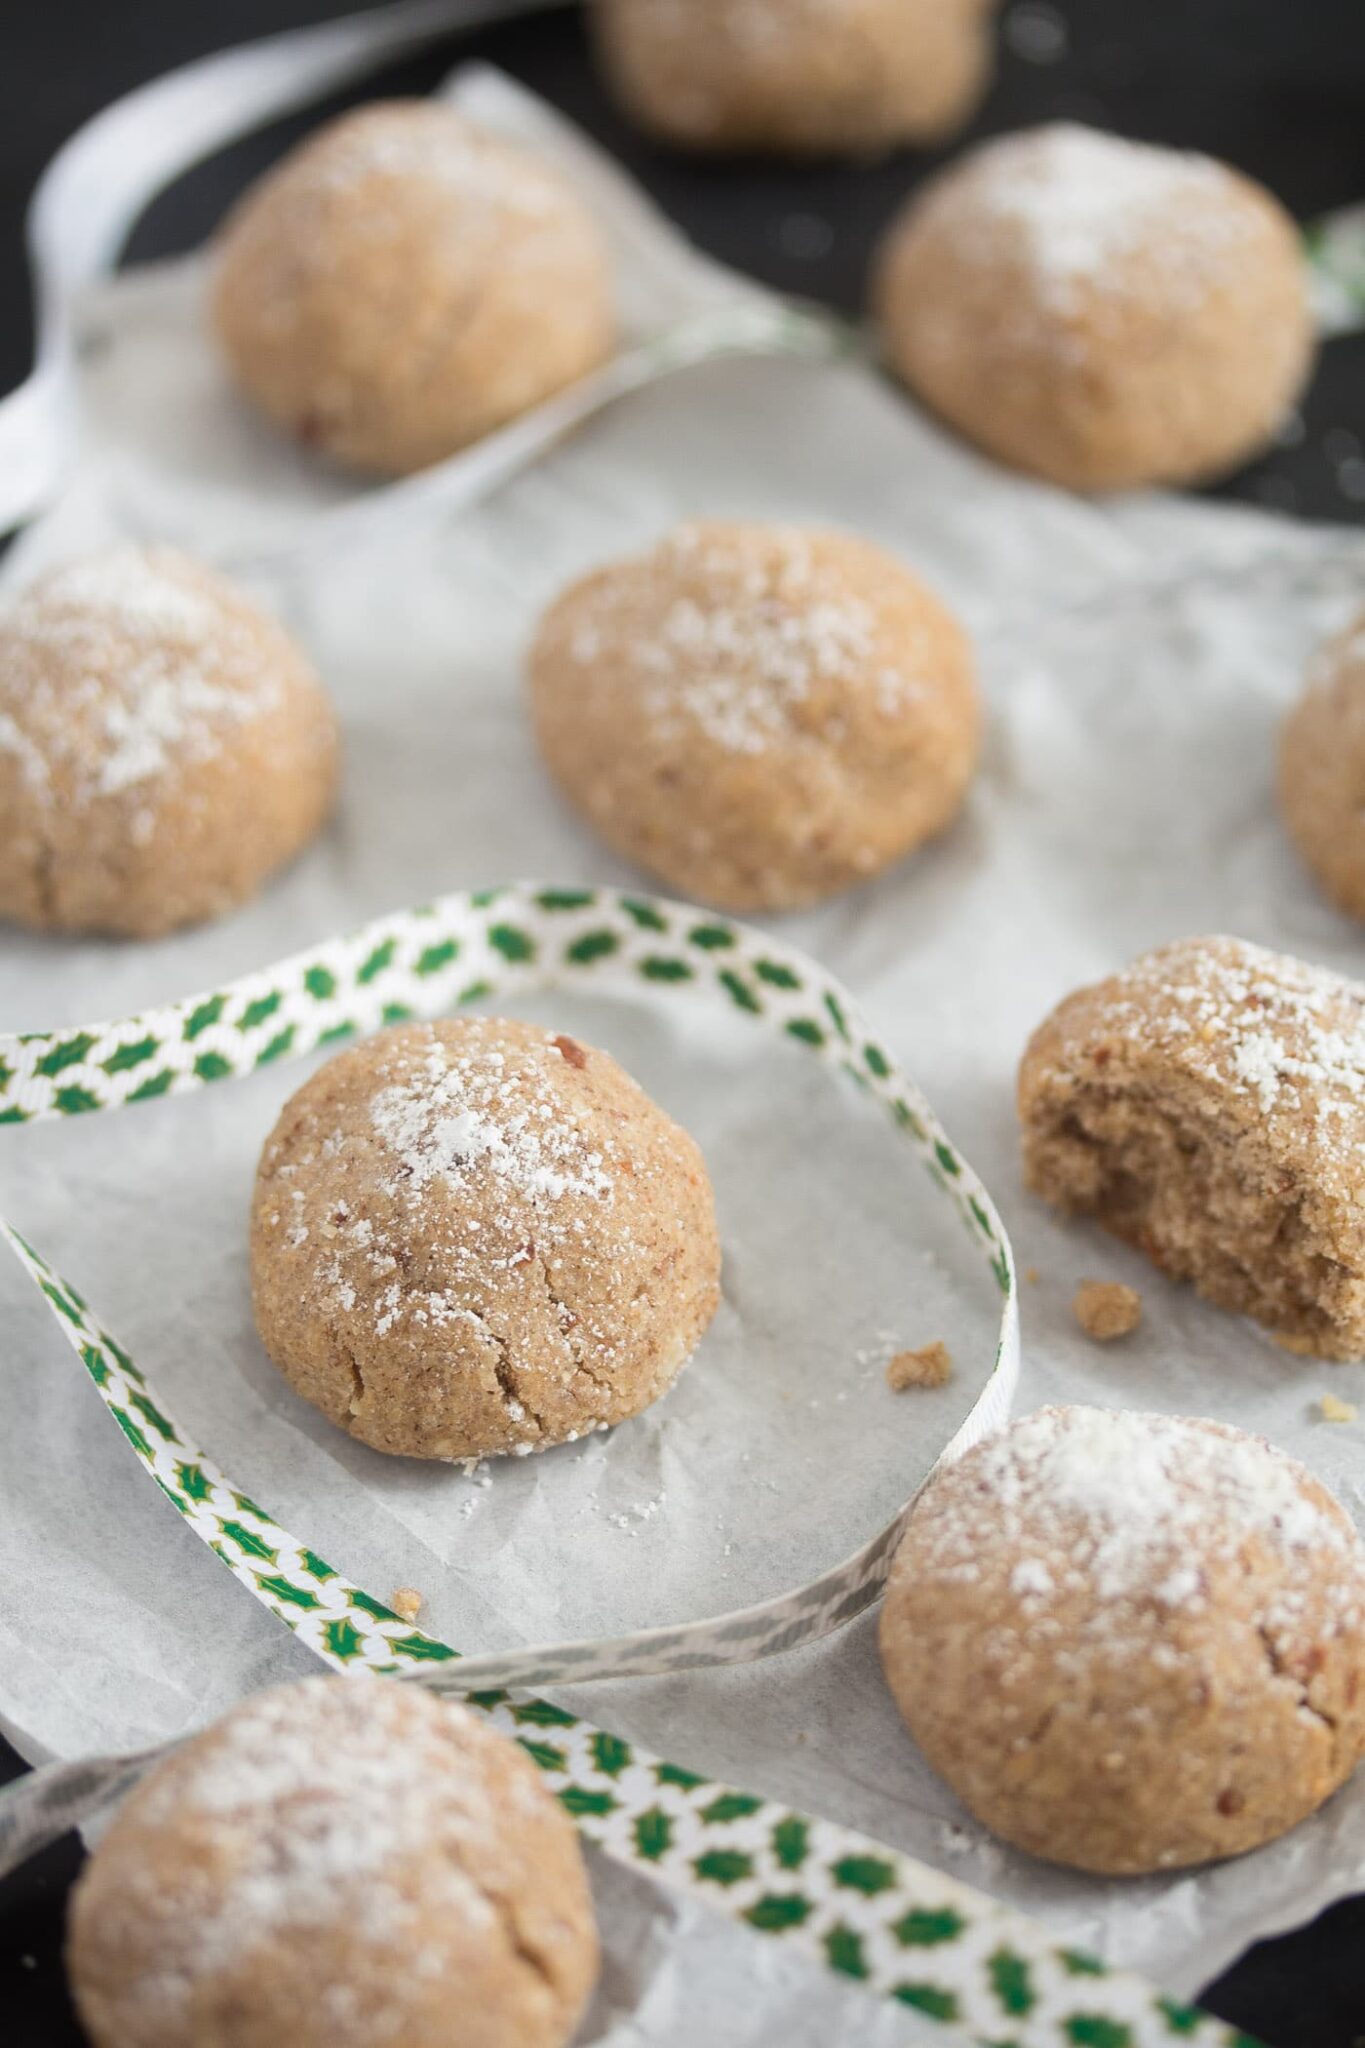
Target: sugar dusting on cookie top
column 1287, row 1035
column 1131, row 1507
column 1076, row 206
column 120, row 667
column 309, row 1807
column 729, row 633
column 471, row 1103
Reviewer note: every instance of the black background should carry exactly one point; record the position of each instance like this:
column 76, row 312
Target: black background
column 1274, row 86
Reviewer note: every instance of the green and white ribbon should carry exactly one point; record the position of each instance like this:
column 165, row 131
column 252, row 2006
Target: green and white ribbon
column 465, row 948
column 1336, row 259
column 867, row 1913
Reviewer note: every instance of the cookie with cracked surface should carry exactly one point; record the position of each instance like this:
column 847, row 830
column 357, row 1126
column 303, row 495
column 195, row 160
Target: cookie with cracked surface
column 1098, row 312
column 404, row 282
column 1322, row 769
column 797, row 77
column 478, row 1236
column 761, row 715
column 164, row 746
column 1207, row 1104
column 1130, row 1642
column 341, row 1863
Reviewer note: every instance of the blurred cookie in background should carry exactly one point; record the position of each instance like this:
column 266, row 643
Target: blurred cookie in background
column 1098, row 312
column 797, row 77
column 164, row 746
column 404, row 282
column 1322, row 769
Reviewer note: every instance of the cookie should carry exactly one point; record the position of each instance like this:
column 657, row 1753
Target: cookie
column 476, row 1237
column 1130, row 1642
column 164, row 747
column 1207, row 1104
column 797, row 77
column 1098, row 312
column 1322, row 769
column 761, row 716
column 341, row 1863
column 403, row 283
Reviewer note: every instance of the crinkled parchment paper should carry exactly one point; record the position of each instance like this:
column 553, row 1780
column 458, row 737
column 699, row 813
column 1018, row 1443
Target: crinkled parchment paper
column 1137, row 659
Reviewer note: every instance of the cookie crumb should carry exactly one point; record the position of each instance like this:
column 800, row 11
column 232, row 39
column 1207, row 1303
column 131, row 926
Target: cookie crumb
column 1302, row 1347
column 407, row 1603
column 1334, row 1410
column 1031, row 1275
column 931, row 1366
column 1106, row 1309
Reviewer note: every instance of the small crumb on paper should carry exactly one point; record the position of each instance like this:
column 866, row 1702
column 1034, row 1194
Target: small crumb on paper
column 1106, row 1309
column 406, row 1603
column 1031, row 1275
column 931, row 1366
column 1334, row 1410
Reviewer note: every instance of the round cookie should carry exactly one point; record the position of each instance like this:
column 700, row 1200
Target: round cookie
column 477, row 1236
column 164, row 746
column 1322, row 769
column 402, row 283
column 760, row 715
column 1098, row 312
column 1130, row 1642
column 804, row 77
column 341, row 1863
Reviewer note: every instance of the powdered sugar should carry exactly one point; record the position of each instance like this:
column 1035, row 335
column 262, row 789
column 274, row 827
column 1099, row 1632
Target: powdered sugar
column 310, row 1804
column 1289, row 1035
column 423, row 144
column 1079, row 204
column 120, row 667
column 1134, row 1504
column 759, row 624
column 460, row 1110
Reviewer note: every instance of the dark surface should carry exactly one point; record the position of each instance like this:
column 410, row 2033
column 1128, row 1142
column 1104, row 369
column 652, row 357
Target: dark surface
column 1274, row 87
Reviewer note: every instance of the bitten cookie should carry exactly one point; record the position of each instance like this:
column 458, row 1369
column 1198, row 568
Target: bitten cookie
column 403, row 283
column 1208, row 1105
column 1130, row 1642
column 343, row 1863
column 477, row 1236
column 1099, row 312
column 164, row 746
column 760, row 715
column 805, row 77
column 1322, row 769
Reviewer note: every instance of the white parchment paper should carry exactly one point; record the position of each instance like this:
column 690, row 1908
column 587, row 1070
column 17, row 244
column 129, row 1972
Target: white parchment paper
column 1137, row 659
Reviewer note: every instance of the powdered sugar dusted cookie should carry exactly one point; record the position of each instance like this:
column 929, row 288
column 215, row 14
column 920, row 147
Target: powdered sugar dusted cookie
column 761, row 715
column 1322, row 769
column 1100, row 312
column 342, row 1863
column 797, row 76
column 164, row 746
column 405, row 282
column 477, row 1236
column 1130, row 1642
column 1208, row 1105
